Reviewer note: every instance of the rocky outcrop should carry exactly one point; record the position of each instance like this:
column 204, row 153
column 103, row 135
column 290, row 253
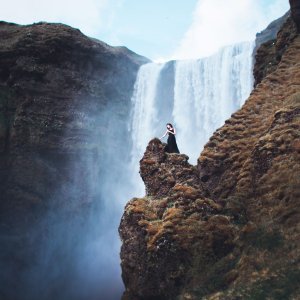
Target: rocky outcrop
column 226, row 229
column 270, row 45
column 164, row 233
column 270, row 33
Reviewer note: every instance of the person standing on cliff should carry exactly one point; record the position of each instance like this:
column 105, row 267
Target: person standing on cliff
column 171, row 146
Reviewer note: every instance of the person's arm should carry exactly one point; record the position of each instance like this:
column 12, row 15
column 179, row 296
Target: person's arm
column 173, row 132
column 164, row 135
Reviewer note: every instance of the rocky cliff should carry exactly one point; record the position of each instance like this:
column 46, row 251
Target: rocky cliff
column 270, row 33
column 227, row 228
column 295, row 11
column 271, row 44
column 60, row 91
column 53, row 82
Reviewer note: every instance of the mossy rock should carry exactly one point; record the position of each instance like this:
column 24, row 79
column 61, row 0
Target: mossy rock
column 279, row 287
column 262, row 238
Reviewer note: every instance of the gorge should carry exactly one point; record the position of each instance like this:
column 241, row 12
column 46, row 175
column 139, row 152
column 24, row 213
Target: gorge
column 75, row 118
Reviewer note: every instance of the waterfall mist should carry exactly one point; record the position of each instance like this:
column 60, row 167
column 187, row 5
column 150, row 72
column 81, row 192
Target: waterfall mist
column 75, row 246
column 72, row 251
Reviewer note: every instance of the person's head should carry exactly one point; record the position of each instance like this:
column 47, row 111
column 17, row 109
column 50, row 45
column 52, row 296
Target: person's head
column 169, row 126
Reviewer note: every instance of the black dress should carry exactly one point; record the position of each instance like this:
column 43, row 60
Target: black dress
column 171, row 146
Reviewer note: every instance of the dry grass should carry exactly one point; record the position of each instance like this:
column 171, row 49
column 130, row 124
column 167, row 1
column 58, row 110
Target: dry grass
column 187, row 191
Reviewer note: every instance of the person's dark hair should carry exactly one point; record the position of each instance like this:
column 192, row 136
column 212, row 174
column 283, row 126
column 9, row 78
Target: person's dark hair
column 170, row 125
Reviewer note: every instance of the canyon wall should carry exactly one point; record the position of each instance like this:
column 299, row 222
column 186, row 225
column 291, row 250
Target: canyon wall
column 64, row 107
column 53, row 81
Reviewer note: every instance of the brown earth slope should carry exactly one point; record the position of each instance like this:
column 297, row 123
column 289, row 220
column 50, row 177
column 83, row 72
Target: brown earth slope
column 229, row 227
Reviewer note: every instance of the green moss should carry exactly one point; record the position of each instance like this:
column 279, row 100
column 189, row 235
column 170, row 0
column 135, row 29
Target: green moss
column 236, row 208
column 215, row 276
column 294, row 99
column 264, row 239
column 280, row 287
column 171, row 204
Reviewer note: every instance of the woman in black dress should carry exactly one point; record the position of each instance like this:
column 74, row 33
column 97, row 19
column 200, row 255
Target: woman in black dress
column 171, row 146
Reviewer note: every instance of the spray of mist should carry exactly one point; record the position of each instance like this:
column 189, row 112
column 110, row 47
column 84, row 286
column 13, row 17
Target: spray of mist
column 72, row 251
column 75, row 249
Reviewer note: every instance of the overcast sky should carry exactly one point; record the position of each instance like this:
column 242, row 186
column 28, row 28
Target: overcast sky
column 157, row 29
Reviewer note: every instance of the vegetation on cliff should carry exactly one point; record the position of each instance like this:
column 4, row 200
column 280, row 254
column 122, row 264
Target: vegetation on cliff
column 229, row 227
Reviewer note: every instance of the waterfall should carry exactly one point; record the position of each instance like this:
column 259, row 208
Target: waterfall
column 145, row 113
column 207, row 91
column 144, row 116
column 197, row 96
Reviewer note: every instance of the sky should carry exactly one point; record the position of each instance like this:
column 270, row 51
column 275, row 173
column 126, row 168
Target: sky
column 158, row 29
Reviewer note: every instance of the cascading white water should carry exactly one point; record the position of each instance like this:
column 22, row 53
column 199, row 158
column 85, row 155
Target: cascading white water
column 144, row 114
column 205, row 93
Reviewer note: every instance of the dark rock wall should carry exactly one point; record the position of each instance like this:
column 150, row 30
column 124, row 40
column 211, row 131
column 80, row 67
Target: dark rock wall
column 270, row 45
column 64, row 98
column 270, row 33
column 54, row 83
column 295, row 9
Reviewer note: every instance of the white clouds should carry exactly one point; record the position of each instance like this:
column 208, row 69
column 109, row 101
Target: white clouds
column 153, row 28
column 217, row 23
column 86, row 15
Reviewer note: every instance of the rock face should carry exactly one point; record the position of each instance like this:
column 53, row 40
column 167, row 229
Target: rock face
column 53, row 81
column 164, row 232
column 295, row 9
column 227, row 228
column 271, row 44
column 59, row 93
column 270, row 33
